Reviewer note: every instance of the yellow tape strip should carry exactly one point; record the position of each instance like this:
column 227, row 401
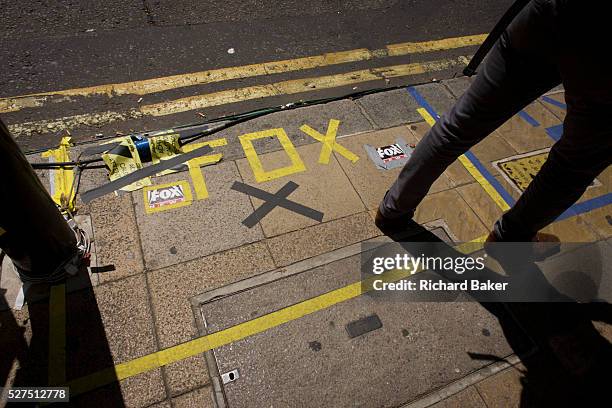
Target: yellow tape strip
column 2, row 231
column 197, row 177
column 62, row 178
column 243, row 330
column 57, row 335
column 472, row 169
column 261, row 175
column 121, row 166
column 329, row 142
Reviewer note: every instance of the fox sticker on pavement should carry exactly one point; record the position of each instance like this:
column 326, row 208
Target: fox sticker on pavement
column 391, row 152
column 391, row 156
column 167, row 196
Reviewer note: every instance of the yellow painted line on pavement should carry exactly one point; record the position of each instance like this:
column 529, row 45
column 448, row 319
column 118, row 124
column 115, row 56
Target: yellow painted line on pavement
column 57, row 335
column 484, row 183
column 63, row 191
column 241, row 331
column 160, row 84
column 295, row 86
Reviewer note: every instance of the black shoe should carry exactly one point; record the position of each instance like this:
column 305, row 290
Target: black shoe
column 401, row 227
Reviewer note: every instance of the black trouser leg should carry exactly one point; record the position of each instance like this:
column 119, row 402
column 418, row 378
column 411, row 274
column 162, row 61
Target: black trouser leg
column 507, row 82
column 584, row 151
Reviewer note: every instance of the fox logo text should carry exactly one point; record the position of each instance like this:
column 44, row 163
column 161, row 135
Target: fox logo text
column 391, row 152
column 165, row 196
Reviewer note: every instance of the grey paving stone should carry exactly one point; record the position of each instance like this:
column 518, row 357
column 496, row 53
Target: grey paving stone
column 437, row 96
column 457, row 86
column 392, row 108
column 202, row 228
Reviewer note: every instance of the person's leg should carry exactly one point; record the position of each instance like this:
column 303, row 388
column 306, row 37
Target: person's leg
column 584, row 151
column 509, row 79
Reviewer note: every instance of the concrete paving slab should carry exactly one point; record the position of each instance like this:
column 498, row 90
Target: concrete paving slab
column 466, row 398
column 116, row 237
column 437, row 96
column 202, row 228
column 449, row 206
column 201, row 398
column 457, row 86
column 124, row 309
column 186, row 375
column 407, row 357
column 143, row 390
column 556, row 110
column 391, row 108
column 481, row 203
column 163, row 404
column 298, row 245
column 491, row 148
column 172, row 287
column 524, row 137
column 502, row 390
column 574, row 229
column 598, row 189
column 370, row 182
column 600, row 221
column 538, row 111
column 323, row 187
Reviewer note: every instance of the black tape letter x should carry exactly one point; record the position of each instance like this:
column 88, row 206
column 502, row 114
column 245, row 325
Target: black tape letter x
column 274, row 200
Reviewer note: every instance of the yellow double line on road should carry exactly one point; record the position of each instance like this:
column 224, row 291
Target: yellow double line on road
column 200, row 101
column 298, row 86
column 154, row 85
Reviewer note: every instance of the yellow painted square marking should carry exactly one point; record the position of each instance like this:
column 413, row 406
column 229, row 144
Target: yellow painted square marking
column 260, row 174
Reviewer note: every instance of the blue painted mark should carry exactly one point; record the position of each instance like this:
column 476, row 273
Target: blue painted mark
column 555, row 132
column 528, row 118
column 489, row 177
column 470, row 156
column 554, row 102
column 586, row 206
column 578, row 208
column 424, row 104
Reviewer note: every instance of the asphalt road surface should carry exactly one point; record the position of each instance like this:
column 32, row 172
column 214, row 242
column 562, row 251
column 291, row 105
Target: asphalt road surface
column 51, row 46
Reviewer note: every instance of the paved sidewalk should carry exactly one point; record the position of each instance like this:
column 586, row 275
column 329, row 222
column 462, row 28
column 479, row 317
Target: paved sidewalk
column 151, row 265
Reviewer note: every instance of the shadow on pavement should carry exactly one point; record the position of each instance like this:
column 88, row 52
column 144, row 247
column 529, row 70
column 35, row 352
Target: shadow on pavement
column 31, row 342
column 572, row 363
